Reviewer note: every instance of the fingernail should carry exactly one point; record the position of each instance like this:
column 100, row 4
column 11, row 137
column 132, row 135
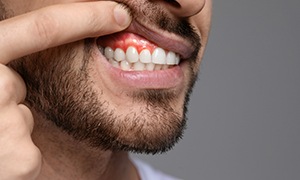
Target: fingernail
column 122, row 16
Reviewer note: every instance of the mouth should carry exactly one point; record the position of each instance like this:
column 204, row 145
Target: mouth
column 131, row 52
column 143, row 58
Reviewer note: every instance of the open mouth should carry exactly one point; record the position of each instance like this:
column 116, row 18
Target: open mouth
column 143, row 58
column 131, row 52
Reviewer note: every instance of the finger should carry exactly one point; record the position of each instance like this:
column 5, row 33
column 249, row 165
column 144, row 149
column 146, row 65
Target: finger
column 28, row 117
column 16, row 121
column 12, row 86
column 59, row 24
column 20, row 158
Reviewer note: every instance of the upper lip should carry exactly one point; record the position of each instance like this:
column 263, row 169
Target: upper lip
column 163, row 39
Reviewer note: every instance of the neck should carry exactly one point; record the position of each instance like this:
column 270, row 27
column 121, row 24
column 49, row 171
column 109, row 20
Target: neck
column 67, row 158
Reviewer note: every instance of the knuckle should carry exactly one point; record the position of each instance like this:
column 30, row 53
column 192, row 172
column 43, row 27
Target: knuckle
column 17, row 123
column 93, row 20
column 28, row 162
column 20, row 160
column 45, row 27
column 32, row 159
column 8, row 88
column 26, row 113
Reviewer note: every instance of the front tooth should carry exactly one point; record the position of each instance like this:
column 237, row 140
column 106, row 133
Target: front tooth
column 138, row 66
column 109, row 52
column 159, row 56
column 119, row 55
column 145, row 56
column 132, row 54
column 125, row 66
column 171, row 58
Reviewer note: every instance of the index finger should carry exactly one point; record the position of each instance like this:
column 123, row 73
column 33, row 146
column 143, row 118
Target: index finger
column 59, row 24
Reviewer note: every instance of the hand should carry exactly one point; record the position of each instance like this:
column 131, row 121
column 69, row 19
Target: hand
column 32, row 32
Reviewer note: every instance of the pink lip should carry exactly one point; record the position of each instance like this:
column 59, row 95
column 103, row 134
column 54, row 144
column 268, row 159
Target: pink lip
column 162, row 79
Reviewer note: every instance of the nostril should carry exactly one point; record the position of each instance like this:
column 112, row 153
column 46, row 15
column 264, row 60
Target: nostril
column 173, row 3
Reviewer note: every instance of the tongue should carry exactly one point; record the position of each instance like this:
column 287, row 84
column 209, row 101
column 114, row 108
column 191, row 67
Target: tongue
column 123, row 40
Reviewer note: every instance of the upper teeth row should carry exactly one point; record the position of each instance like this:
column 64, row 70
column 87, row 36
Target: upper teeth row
column 158, row 56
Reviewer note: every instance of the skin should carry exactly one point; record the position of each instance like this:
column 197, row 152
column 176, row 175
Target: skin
column 58, row 36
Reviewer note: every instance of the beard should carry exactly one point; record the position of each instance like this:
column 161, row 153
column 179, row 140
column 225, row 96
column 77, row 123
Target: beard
column 60, row 88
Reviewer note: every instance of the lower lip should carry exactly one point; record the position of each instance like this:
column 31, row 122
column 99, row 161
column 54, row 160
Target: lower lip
column 161, row 79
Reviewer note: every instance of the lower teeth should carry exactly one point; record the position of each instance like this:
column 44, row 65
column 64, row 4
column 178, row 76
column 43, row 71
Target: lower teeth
column 138, row 66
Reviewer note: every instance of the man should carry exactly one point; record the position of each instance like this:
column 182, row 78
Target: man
column 84, row 82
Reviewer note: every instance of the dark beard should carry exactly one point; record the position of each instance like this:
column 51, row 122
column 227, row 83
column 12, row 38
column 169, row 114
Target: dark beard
column 2, row 11
column 64, row 96
column 62, row 92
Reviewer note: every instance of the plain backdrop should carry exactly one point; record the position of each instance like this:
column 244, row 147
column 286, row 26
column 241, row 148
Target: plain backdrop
column 244, row 114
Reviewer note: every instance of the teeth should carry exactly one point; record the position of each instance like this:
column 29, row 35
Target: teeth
column 119, row 55
column 165, row 67
column 150, row 66
column 171, row 58
column 113, row 63
column 158, row 67
column 132, row 60
column 159, row 56
column 145, row 56
column 177, row 59
column 138, row 66
column 132, row 54
column 108, row 52
column 125, row 65
column 101, row 49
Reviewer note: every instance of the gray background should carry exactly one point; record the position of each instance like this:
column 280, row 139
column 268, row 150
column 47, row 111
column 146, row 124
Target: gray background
column 244, row 115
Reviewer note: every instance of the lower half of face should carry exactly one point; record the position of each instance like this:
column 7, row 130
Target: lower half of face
column 120, row 92
column 75, row 91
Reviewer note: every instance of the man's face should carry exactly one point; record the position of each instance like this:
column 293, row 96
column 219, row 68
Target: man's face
column 125, row 91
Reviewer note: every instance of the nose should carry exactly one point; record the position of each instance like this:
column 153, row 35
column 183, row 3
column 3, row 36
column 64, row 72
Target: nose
column 185, row 8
